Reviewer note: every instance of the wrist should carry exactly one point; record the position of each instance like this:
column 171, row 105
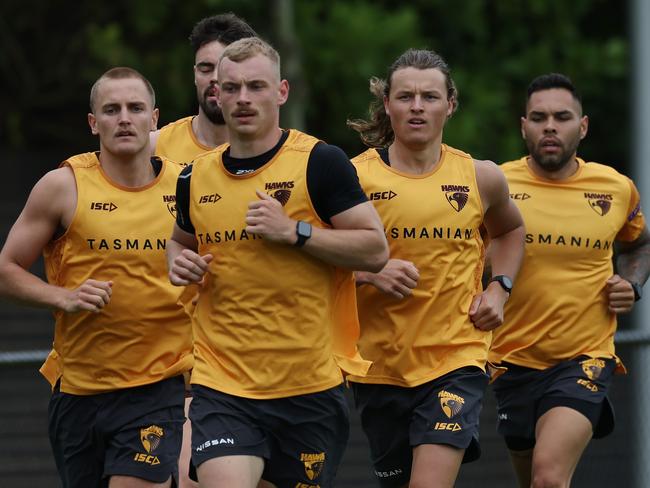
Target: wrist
column 302, row 233
column 503, row 281
column 363, row 277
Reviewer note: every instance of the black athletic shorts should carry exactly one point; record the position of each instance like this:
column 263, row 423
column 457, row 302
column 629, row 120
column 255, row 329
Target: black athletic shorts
column 525, row 394
column 396, row 419
column 301, row 438
column 130, row 432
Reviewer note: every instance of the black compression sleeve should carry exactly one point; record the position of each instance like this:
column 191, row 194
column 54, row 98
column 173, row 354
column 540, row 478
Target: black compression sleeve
column 332, row 181
column 183, row 201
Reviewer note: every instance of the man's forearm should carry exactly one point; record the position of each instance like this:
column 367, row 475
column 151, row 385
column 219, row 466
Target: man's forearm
column 20, row 285
column 358, row 249
column 507, row 252
column 634, row 265
column 173, row 249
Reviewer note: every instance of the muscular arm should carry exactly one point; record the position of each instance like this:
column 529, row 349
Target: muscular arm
column 505, row 227
column 633, row 262
column 49, row 207
column 633, row 265
column 356, row 241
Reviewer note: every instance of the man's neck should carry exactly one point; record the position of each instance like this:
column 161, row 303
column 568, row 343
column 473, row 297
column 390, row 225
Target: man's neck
column 568, row 170
column 249, row 147
column 208, row 133
column 132, row 171
column 414, row 160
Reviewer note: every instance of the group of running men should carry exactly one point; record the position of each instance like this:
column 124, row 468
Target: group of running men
column 278, row 272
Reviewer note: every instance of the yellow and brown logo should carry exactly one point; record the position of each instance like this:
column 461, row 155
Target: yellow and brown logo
column 280, row 190
column 456, row 195
column 150, row 438
column 314, row 464
column 599, row 202
column 592, row 368
column 451, row 404
column 170, row 201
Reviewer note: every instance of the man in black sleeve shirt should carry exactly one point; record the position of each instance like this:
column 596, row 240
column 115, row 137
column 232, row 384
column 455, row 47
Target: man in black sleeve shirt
column 267, row 225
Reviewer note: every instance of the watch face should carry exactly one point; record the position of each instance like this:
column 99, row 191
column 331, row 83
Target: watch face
column 504, row 281
column 507, row 282
column 304, row 229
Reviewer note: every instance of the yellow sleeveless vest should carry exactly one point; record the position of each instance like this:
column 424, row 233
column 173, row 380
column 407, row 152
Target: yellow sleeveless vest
column 432, row 220
column 263, row 325
column 119, row 234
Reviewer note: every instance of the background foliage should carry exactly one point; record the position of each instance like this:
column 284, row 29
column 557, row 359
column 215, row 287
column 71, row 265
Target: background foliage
column 52, row 51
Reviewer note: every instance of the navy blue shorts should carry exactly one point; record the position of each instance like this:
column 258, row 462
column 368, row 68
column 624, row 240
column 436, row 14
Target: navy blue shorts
column 130, row 432
column 396, row 419
column 301, row 438
column 525, row 394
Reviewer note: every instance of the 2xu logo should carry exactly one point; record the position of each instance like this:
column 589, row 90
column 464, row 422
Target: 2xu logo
column 105, row 206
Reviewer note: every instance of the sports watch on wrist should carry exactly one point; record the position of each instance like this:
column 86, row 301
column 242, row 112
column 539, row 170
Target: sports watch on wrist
column 504, row 281
column 303, row 232
column 638, row 290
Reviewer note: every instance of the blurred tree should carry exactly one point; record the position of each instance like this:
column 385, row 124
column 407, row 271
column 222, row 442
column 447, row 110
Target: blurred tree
column 52, row 51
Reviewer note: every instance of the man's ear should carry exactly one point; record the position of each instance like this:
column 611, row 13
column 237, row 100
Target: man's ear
column 92, row 122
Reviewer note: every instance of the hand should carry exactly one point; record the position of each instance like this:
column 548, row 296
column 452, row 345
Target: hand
column 486, row 310
column 266, row 218
column 91, row 296
column 620, row 294
column 397, row 279
column 188, row 267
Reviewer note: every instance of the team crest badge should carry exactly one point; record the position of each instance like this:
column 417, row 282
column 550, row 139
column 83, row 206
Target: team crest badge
column 150, row 437
column 450, row 403
column 592, row 368
column 171, row 206
column 601, row 207
column 457, row 199
column 170, row 201
column 314, row 464
column 281, row 196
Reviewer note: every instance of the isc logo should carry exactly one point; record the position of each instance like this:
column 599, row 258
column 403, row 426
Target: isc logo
column 215, row 197
column 382, row 195
column 146, row 458
column 447, row 426
column 106, row 206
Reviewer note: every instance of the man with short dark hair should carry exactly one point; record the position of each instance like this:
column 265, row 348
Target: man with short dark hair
column 558, row 337
column 188, row 137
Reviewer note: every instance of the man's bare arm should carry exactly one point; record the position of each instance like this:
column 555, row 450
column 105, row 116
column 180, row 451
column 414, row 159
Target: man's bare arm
column 49, row 209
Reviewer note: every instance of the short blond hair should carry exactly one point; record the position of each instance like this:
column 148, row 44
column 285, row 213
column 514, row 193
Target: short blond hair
column 248, row 47
column 121, row 73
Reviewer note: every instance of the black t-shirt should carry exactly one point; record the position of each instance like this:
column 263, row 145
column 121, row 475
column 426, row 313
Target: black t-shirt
column 332, row 181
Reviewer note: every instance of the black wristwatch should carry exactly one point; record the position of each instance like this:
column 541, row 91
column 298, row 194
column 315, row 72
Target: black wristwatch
column 504, row 281
column 303, row 231
column 638, row 290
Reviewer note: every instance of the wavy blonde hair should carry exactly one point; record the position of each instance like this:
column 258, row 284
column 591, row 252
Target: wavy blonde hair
column 377, row 130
